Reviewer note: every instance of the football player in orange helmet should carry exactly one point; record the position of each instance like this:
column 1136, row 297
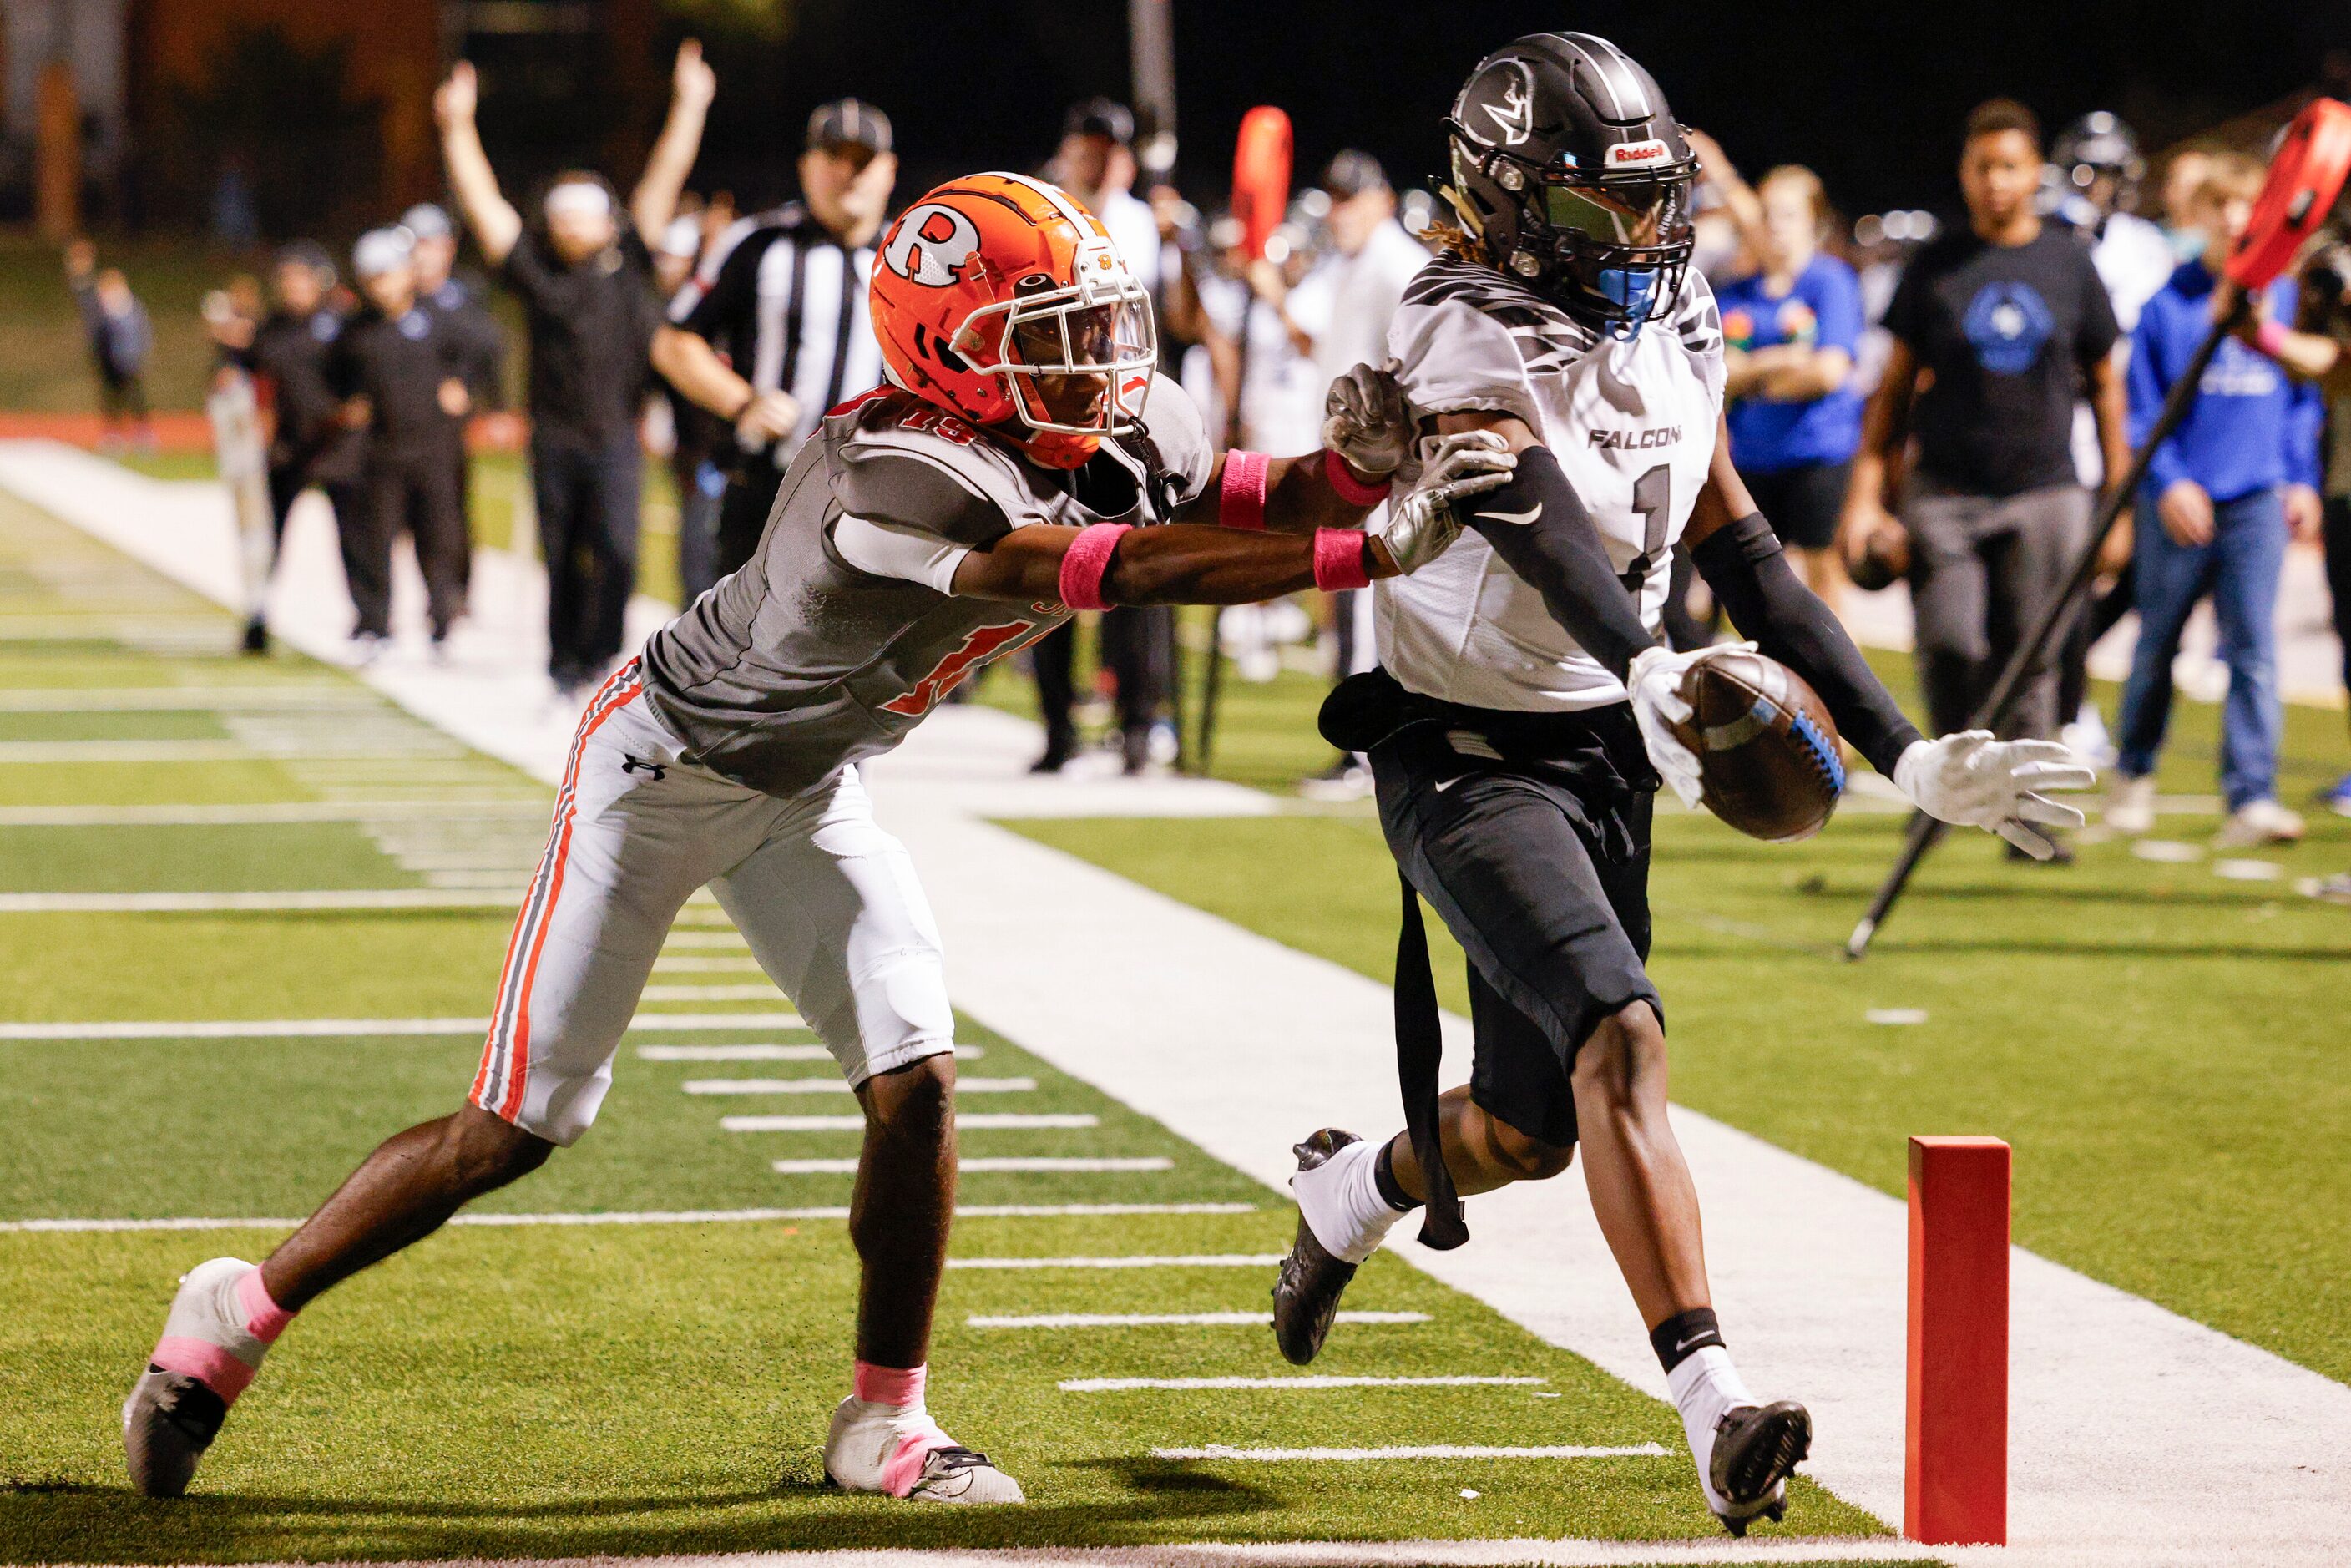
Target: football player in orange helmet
column 925, row 529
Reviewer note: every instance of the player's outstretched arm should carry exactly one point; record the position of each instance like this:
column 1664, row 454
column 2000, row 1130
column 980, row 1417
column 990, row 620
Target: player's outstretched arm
column 1969, row 777
column 1367, row 432
column 1182, row 563
column 496, row 224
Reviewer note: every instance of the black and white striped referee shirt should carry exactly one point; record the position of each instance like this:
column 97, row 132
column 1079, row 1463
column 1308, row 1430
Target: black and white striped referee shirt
column 786, row 302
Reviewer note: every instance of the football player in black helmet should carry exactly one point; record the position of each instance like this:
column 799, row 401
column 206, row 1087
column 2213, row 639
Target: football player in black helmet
column 1567, row 171
column 1519, row 729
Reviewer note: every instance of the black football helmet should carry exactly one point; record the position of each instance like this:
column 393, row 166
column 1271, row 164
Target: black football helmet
column 1569, row 172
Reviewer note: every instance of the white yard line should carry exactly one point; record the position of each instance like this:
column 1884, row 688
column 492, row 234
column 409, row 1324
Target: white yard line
column 992, row 1163
column 333, row 1028
column 664, row 1217
column 1811, row 1263
column 1413, row 1451
column 758, row 993
column 287, row 902
column 764, row 1052
column 839, row 1086
column 1304, row 1385
column 272, row 812
column 1135, row 1260
column 54, row 752
column 1165, row 1319
column 973, row 1121
column 311, row 697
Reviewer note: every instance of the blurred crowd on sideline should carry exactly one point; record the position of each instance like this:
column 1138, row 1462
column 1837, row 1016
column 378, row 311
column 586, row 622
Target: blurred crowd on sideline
column 1909, row 399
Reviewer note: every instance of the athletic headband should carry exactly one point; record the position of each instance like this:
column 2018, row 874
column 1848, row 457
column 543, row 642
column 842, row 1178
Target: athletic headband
column 379, row 251
column 579, row 198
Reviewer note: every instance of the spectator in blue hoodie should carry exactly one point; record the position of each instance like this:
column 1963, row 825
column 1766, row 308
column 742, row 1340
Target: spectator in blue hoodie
column 2223, row 494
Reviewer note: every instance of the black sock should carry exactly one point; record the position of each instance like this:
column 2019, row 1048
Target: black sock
column 1678, row 1337
column 1384, row 1176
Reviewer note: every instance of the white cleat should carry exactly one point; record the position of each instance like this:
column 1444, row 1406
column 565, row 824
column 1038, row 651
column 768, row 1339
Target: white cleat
column 901, row 1452
column 2257, row 824
column 2131, row 805
column 173, row 1416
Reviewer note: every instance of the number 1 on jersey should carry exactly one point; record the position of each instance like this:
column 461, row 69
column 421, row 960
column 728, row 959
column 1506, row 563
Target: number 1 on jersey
column 1653, row 503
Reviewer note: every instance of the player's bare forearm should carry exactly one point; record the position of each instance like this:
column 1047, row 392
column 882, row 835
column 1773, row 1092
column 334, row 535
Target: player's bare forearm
column 1182, row 563
column 1299, row 498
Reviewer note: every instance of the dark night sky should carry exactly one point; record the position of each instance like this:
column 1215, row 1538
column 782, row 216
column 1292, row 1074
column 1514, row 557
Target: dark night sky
column 1870, row 96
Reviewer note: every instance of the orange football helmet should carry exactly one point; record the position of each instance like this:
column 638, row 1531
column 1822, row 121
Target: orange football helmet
column 1000, row 299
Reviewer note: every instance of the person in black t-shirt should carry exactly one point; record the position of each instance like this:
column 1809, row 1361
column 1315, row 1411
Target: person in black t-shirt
column 398, row 371
column 1996, row 328
column 586, row 281
column 462, row 301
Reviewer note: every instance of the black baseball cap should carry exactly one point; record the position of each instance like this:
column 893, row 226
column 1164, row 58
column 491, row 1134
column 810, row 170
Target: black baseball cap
column 1100, row 117
column 848, row 123
column 1353, row 173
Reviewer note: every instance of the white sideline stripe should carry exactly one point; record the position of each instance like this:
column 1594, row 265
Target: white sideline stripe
column 989, row 1163
column 673, row 1217
column 1133, row 1260
column 38, row 753
column 666, row 964
column 1164, row 1319
column 709, row 993
column 763, row 1053
column 981, row 1121
column 320, row 696
column 728, row 939
column 838, row 1085
column 289, row 900
column 270, row 812
column 1415, row 1451
column 332, row 1029
column 1307, row 1383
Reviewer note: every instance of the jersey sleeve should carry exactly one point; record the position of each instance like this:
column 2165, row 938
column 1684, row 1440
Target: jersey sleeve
column 905, row 465
column 1179, row 436
column 1453, row 358
column 1697, row 322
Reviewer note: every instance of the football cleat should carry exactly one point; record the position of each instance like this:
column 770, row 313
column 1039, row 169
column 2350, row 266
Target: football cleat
column 888, row 1448
column 168, row 1422
column 1756, row 1448
column 1306, row 1292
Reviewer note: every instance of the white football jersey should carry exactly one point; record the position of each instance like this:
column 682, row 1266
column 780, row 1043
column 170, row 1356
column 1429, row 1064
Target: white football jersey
column 1633, row 426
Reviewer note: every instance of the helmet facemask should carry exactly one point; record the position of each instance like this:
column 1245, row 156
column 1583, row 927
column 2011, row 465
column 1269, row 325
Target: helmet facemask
column 1075, row 362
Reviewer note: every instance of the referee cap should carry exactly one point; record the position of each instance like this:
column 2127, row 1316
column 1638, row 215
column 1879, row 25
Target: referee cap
column 1353, row 173
column 848, row 123
column 1100, row 117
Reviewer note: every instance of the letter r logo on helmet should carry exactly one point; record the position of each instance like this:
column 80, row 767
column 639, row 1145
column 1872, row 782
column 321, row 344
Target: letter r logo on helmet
column 930, row 246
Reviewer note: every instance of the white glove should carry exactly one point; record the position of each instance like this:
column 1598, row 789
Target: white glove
column 1654, row 684
column 1367, row 420
column 1973, row 779
column 1424, row 524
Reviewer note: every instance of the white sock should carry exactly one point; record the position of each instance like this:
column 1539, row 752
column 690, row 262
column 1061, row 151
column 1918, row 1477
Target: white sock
column 1704, row 1386
column 1342, row 1202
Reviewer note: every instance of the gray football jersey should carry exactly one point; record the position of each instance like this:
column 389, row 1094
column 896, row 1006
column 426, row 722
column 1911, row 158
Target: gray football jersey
column 800, row 662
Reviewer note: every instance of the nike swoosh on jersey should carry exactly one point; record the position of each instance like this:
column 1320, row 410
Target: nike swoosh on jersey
column 1526, row 517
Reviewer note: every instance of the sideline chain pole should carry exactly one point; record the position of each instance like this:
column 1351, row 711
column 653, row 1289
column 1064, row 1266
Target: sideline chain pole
column 2055, row 618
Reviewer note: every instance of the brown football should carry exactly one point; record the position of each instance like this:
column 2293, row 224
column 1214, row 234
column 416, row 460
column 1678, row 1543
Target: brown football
column 1768, row 753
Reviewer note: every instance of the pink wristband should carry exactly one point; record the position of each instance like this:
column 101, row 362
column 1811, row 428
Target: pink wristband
column 1352, row 490
column 1086, row 564
column 2270, row 337
column 1240, row 504
column 1339, row 560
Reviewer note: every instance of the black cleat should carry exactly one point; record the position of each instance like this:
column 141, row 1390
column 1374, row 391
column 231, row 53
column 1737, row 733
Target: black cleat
column 168, row 1422
column 257, row 635
column 1306, row 1292
column 1756, row 1448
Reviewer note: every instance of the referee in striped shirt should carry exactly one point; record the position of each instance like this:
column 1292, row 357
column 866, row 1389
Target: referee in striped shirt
column 772, row 331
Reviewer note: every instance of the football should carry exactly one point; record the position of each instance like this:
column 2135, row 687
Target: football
column 1768, row 752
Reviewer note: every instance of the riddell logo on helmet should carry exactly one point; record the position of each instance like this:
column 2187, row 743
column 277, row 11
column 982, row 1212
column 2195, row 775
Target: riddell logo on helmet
column 931, row 244
column 1637, row 154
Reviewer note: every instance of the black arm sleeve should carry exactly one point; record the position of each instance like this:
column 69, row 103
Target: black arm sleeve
column 1554, row 544
column 1750, row 577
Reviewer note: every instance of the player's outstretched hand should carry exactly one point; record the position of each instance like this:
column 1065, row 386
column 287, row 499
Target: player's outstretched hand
column 1367, row 421
column 1424, row 524
column 1654, row 684
column 1973, row 779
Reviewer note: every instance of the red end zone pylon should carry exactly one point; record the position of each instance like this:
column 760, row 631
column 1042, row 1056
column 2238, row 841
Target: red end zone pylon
column 1955, row 1482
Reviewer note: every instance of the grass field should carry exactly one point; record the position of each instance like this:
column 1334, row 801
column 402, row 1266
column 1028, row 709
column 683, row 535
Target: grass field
column 517, row 1389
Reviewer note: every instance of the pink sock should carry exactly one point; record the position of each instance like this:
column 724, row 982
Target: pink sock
column 889, row 1384
column 265, row 1319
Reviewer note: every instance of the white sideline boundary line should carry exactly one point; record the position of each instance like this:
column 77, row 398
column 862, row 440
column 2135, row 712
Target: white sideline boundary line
column 1415, row 1451
column 1309, row 1384
column 1135, row 1261
column 979, row 1121
column 764, row 1052
column 718, row 1086
column 1793, row 1245
column 678, row 1217
column 342, row 1029
column 1165, row 1319
column 985, row 1164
